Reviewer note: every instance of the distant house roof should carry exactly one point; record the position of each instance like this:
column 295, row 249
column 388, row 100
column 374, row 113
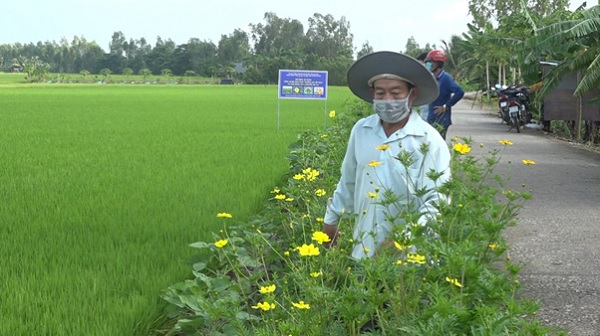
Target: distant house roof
column 240, row 67
column 549, row 63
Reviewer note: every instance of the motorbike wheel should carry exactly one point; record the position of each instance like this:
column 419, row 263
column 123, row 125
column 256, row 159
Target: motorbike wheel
column 524, row 115
column 515, row 122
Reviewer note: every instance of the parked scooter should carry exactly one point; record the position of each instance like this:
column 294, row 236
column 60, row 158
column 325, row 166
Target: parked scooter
column 513, row 102
column 502, row 102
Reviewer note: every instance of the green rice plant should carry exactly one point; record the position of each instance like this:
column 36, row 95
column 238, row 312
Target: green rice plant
column 273, row 275
column 10, row 78
column 102, row 188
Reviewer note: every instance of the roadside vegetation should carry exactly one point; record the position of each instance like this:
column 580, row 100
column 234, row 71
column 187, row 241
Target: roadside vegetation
column 272, row 275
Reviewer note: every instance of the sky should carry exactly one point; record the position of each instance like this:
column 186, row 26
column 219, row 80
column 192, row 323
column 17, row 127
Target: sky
column 385, row 24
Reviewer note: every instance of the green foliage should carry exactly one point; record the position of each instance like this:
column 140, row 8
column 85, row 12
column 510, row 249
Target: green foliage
column 575, row 44
column 272, row 276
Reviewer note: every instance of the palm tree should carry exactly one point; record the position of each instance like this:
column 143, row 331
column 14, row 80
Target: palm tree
column 575, row 44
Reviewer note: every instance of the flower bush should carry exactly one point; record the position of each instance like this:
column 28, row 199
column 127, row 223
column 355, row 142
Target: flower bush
column 275, row 276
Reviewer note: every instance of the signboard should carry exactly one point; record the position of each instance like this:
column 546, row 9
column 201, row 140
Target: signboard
column 302, row 84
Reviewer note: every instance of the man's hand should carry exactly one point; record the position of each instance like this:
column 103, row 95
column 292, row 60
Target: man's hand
column 332, row 232
column 439, row 109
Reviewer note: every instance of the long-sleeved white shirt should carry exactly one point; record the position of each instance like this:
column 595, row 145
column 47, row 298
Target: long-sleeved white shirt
column 367, row 171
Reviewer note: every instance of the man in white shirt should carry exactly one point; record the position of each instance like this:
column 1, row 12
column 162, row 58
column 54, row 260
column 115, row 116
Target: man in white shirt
column 394, row 83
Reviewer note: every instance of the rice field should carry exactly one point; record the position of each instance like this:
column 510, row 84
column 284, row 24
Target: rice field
column 102, row 188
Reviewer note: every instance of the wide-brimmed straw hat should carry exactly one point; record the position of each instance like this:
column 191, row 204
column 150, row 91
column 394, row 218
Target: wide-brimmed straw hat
column 388, row 64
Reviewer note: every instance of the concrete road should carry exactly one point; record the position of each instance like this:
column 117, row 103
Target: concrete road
column 558, row 232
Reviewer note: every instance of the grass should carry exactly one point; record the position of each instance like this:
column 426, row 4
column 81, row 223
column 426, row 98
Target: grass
column 12, row 78
column 103, row 187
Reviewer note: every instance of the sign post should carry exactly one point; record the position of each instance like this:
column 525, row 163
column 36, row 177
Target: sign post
column 302, row 84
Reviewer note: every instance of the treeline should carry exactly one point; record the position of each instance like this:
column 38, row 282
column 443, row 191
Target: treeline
column 255, row 57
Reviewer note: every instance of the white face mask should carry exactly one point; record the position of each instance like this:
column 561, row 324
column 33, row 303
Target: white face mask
column 391, row 111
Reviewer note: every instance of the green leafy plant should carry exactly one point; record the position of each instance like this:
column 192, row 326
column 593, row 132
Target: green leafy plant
column 274, row 275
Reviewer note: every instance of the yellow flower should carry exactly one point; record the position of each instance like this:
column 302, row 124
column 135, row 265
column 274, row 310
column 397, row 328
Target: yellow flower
column 374, row 163
column 289, row 199
column 301, row 305
column 308, row 250
column 415, row 258
column 401, row 247
column 528, row 162
column 372, row 195
column 454, row 282
column 275, row 191
column 493, row 246
column 286, row 253
column 221, row 243
column 320, row 237
column 267, row 289
column 280, row 196
column 332, row 114
column 382, row 147
column 399, row 262
column 320, row 192
column 264, row 306
column 320, row 220
column 316, row 274
column 311, row 174
column 224, row 215
column 505, row 142
column 299, row 177
column 462, row 148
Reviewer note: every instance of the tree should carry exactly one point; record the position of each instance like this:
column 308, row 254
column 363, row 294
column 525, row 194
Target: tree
column 329, row 47
column 105, row 72
column 276, row 35
column 161, row 56
column 195, row 55
column 575, row 43
column 486, row 11
column 189, row 74
column 145, row 73
column 233, row 48
column 364, row 50
column 412, row 47
column 115, row 60
column 278, row 44
column 127, row 72
column 84, row 75
column 166, row 72
column 328, row 37
column 34, row 68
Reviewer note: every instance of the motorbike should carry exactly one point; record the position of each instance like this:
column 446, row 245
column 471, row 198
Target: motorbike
column 513, row 102
column 502, row 102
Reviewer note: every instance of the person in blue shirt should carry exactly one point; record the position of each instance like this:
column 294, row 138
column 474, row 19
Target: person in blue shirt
column 440, row 110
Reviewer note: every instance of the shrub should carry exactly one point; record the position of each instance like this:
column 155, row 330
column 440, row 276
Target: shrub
column 273, row 275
